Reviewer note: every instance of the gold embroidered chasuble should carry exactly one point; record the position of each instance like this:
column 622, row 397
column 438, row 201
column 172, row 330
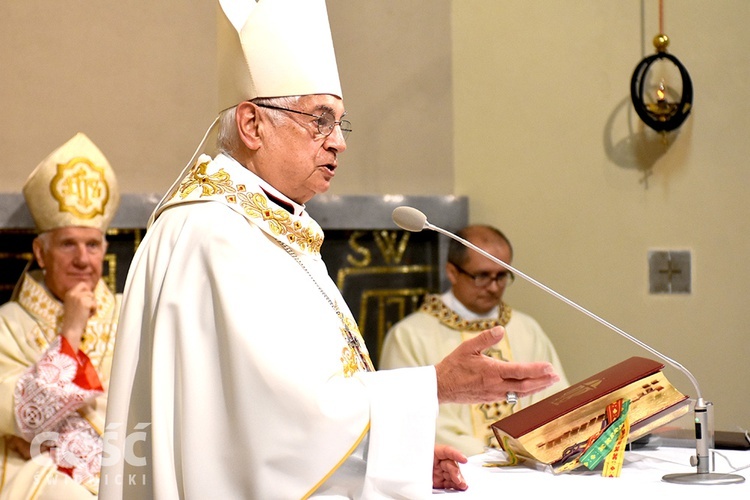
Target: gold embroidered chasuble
column 235, row 322
column 295, row 234
column 29, row 326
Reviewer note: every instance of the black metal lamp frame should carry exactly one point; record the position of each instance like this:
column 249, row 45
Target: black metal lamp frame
column 661, row 120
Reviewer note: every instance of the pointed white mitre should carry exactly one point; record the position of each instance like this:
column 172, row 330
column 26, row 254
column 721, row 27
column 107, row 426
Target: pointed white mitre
column 73, row 186
column 275, row 48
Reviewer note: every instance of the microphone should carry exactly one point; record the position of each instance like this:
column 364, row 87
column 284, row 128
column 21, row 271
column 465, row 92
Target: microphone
column 411, row 219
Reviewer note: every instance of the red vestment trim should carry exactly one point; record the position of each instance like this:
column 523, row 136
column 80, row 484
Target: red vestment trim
column 86, row 376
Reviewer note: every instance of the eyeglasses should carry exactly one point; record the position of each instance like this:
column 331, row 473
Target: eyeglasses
column 503, row 278
column 325, row 121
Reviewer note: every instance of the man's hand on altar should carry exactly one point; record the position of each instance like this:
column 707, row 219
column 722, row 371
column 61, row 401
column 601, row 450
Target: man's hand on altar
column 467, row 375
column 445, row 471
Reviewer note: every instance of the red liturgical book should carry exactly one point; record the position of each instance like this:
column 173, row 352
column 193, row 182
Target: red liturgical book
column 556, row 430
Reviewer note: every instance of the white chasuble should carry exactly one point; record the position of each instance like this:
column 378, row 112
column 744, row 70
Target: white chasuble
column 239, row 370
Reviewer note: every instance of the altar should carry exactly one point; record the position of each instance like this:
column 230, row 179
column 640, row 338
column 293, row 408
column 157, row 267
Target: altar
column 641, row 478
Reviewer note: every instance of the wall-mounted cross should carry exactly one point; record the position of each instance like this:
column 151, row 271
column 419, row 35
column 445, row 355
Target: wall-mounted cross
column 669, row 271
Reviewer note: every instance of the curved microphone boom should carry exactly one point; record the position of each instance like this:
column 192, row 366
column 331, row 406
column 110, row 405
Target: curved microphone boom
column 413, row 220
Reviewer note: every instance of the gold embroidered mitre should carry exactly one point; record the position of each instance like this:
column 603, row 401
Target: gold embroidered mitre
column 73, row 186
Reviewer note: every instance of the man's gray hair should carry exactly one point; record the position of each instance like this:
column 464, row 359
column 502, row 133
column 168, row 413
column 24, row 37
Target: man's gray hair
column 44, row 239
column 228, row 140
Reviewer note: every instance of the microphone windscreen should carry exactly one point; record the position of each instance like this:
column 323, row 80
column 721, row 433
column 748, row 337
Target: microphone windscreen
column 409, row 218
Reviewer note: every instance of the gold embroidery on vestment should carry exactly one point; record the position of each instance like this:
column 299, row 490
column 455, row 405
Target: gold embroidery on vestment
column 217, row 183
column 80, row 188
column 255, row 205
column 354, row 356
column 48, row 313
column 434, row 306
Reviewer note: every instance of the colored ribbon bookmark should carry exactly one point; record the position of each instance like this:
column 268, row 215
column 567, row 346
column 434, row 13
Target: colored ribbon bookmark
column 610, row 445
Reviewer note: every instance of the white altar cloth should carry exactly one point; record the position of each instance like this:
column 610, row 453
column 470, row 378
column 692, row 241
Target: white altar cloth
column 641, row 479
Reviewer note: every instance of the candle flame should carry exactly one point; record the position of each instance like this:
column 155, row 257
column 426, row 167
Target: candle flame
column 661, row 92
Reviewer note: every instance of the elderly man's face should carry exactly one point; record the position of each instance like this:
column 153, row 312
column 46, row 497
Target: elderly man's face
column 296, row 159
column 71, row 255
column 482, row 299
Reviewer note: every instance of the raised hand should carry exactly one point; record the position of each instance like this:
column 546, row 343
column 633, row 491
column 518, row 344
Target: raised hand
column 467, row 375
column 79, row 305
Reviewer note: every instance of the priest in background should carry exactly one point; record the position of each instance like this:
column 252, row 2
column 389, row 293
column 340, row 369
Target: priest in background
column 472, row 304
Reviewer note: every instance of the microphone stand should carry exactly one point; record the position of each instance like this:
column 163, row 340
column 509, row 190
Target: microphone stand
column 411, row 219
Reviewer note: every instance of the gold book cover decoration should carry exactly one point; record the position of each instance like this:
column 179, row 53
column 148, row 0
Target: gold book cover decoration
column 593, row 420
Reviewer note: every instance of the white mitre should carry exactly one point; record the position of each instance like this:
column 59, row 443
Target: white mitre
column 73, row 186
column 275, row 48
column 269, row 48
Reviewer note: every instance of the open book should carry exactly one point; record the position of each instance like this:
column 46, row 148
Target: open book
column 556, row 430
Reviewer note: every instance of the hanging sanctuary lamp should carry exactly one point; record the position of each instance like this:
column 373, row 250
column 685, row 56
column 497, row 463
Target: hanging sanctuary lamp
column 661, row 89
